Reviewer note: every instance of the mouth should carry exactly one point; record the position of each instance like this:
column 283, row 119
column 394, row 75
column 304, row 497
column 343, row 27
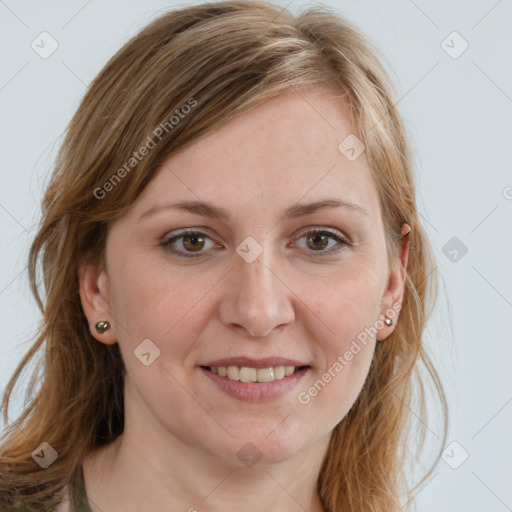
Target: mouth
column 251, row 374
column 250, row 379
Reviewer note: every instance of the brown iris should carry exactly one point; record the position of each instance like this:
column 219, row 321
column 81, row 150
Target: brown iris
column 190, row 242
column 318, row 238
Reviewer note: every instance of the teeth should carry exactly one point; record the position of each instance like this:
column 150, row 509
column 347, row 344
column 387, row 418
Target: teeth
column 234, row 373
column 265, row 374
column 288, row 370
column 246, row 374
column 279, row 372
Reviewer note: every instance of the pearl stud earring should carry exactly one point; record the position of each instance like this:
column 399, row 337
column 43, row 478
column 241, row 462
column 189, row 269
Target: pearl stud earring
column 102, row 326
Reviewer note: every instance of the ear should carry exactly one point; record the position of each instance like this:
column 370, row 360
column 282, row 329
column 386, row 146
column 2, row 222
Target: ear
column 94, row 295
column 394, row 292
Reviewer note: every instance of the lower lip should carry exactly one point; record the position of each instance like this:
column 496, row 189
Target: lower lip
column 256, row 391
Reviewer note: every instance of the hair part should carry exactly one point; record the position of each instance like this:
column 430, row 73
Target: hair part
column 228, row 57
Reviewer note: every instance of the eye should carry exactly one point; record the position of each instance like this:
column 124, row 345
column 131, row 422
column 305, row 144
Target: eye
column 317, row 240
column 190, row 243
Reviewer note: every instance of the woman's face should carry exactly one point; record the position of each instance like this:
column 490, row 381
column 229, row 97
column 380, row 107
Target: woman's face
column 252, row 287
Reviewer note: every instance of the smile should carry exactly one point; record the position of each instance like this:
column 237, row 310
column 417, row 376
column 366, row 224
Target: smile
column 249, row 374
column 255, row 380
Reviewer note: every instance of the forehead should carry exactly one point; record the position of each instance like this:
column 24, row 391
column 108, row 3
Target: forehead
column 276, row 154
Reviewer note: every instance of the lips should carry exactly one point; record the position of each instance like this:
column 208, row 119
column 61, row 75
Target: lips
column 255, row 379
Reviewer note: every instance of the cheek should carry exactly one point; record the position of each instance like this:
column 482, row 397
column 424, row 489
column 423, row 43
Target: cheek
column 149, row 301
column 346, row 301
column 348, row 305
column 152, row 302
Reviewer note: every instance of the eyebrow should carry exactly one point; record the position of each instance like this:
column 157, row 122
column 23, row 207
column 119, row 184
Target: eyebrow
column 207, row 209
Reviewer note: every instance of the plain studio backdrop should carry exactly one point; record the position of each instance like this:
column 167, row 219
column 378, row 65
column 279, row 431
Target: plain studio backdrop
column 451, row 65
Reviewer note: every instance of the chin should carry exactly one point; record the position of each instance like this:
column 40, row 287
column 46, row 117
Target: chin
column 262, row 448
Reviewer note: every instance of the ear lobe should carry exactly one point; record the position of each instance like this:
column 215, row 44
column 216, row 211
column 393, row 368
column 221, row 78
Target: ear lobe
column 396, row 282
column 93, row 289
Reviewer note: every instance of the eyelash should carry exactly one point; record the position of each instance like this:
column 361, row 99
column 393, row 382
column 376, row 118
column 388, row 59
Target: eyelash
column 166, row 244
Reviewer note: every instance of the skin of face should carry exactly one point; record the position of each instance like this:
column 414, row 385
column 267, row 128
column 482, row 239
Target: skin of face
column 295, row 300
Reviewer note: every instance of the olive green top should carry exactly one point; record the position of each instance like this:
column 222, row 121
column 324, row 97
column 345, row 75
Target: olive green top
column 81, row 504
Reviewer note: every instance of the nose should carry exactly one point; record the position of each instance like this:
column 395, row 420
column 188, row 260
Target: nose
column 256, row 298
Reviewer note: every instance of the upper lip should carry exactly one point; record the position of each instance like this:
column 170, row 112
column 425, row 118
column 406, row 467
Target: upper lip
column 249, row 362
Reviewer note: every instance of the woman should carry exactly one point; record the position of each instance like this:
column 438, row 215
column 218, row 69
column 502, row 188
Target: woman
column 236, row 279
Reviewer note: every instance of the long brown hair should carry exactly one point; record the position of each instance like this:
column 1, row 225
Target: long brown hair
column 220, row 59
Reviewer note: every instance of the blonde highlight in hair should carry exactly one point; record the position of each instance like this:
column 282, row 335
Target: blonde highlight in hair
column 227, row 57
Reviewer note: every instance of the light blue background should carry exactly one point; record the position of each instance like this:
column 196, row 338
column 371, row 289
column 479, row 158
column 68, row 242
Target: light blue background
column 458, row 114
